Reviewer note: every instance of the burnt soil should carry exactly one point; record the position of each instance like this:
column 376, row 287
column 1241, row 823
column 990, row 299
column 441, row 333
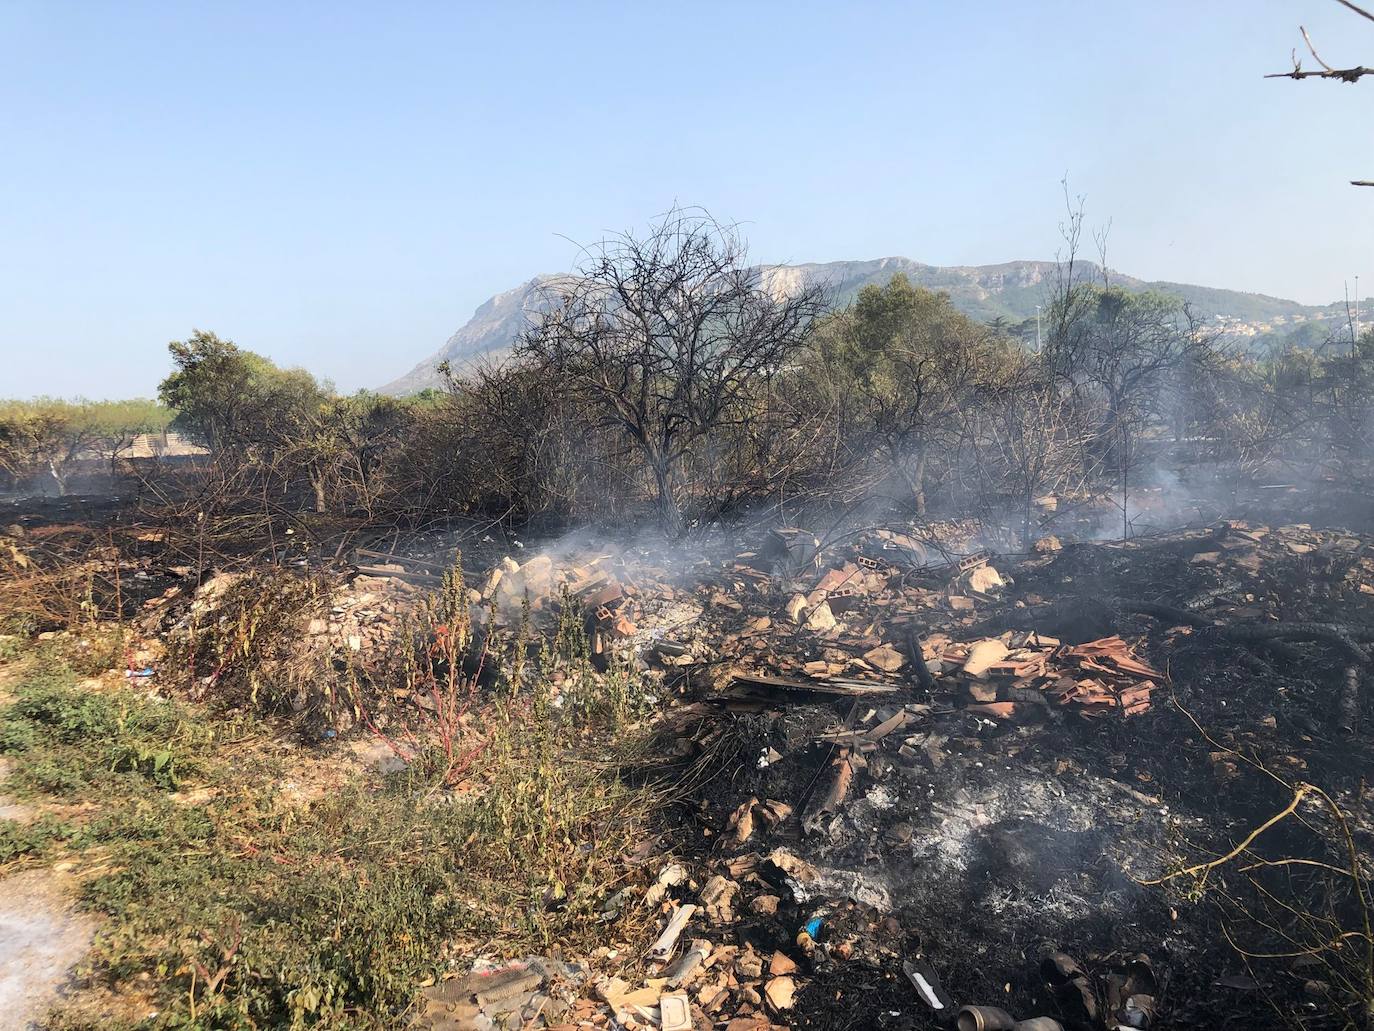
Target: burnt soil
column 1029, row 836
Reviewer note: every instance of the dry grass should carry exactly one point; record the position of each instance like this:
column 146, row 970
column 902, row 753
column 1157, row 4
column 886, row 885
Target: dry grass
column 230, row 903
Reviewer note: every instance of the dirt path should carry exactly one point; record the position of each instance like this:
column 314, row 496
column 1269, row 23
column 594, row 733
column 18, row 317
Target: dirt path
column 41, row 937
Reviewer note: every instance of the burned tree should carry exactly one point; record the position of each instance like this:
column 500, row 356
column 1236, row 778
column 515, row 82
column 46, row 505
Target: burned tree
column 1119, row 353
column 1028, row 439
column 1134, row 345
column 667, row 335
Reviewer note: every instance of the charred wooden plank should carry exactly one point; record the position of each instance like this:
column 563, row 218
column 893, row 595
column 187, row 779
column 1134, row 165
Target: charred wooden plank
column 832, row 686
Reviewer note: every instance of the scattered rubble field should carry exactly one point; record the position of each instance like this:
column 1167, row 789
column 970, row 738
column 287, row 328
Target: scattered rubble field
column 890, row 751
column 899, row 781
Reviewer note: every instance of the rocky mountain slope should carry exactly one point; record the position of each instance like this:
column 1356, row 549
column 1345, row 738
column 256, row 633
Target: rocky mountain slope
column 1010, row 291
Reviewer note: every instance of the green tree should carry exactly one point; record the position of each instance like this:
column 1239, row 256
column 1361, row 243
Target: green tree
column 914, row 364
column 56, row 436
column 250, row 413
column 233, row 400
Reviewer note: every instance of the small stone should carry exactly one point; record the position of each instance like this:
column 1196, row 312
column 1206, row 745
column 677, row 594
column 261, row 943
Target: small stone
column 985, row 579
column 821, row 618
column 898, row 834
column 749, row 963
column 781, row 992
column 765, row 905
column 780, row 964
column 886, row 658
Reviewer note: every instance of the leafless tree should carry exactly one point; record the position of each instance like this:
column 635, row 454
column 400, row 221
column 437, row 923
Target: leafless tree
column 1072, row 293
column 667, row 334
column 1028, row 438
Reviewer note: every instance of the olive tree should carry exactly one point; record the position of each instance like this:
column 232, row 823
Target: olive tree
column 913, row 365
column 56, row 436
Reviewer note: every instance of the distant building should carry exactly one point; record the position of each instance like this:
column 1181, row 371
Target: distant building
column 160, row 445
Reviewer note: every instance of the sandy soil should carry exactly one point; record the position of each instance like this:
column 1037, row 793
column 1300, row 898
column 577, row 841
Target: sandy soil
column 41, row 938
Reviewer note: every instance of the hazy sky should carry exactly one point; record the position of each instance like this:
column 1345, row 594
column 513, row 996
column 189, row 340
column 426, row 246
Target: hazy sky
column 338, row 185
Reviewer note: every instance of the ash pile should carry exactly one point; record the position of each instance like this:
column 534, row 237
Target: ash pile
column 918, row 785
column 919, row 778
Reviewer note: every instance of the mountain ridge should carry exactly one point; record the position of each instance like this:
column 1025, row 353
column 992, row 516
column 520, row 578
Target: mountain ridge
column 1009, row 290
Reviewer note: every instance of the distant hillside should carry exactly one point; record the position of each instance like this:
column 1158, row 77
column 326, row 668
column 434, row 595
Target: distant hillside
column 490, row 332
column 984, row 292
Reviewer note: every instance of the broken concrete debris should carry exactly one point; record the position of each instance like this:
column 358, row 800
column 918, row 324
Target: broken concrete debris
column 1095, row 678
column 781, row 993
column 663, row 947
column 534, row 992
column 875, row 664
column 985, row 580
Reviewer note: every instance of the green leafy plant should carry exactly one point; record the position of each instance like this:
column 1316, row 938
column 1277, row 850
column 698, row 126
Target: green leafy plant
column 249, row 907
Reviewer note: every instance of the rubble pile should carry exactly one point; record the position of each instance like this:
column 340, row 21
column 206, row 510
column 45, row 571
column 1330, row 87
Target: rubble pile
column 1096, row 678
column 690, row 982
column 511, row 588
column 829, row 636
column 908, row 757
column 884, row 772
column 856, row 627
column 533, row 992
column 366, row 612
column 361, row 615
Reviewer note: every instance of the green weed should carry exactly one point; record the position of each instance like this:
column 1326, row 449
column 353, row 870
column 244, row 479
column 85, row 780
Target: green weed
column 73, row 739
column 30, row 840
column 248, row 909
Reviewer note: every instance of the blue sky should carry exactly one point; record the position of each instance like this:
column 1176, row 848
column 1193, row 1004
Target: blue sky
column 338, row 185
